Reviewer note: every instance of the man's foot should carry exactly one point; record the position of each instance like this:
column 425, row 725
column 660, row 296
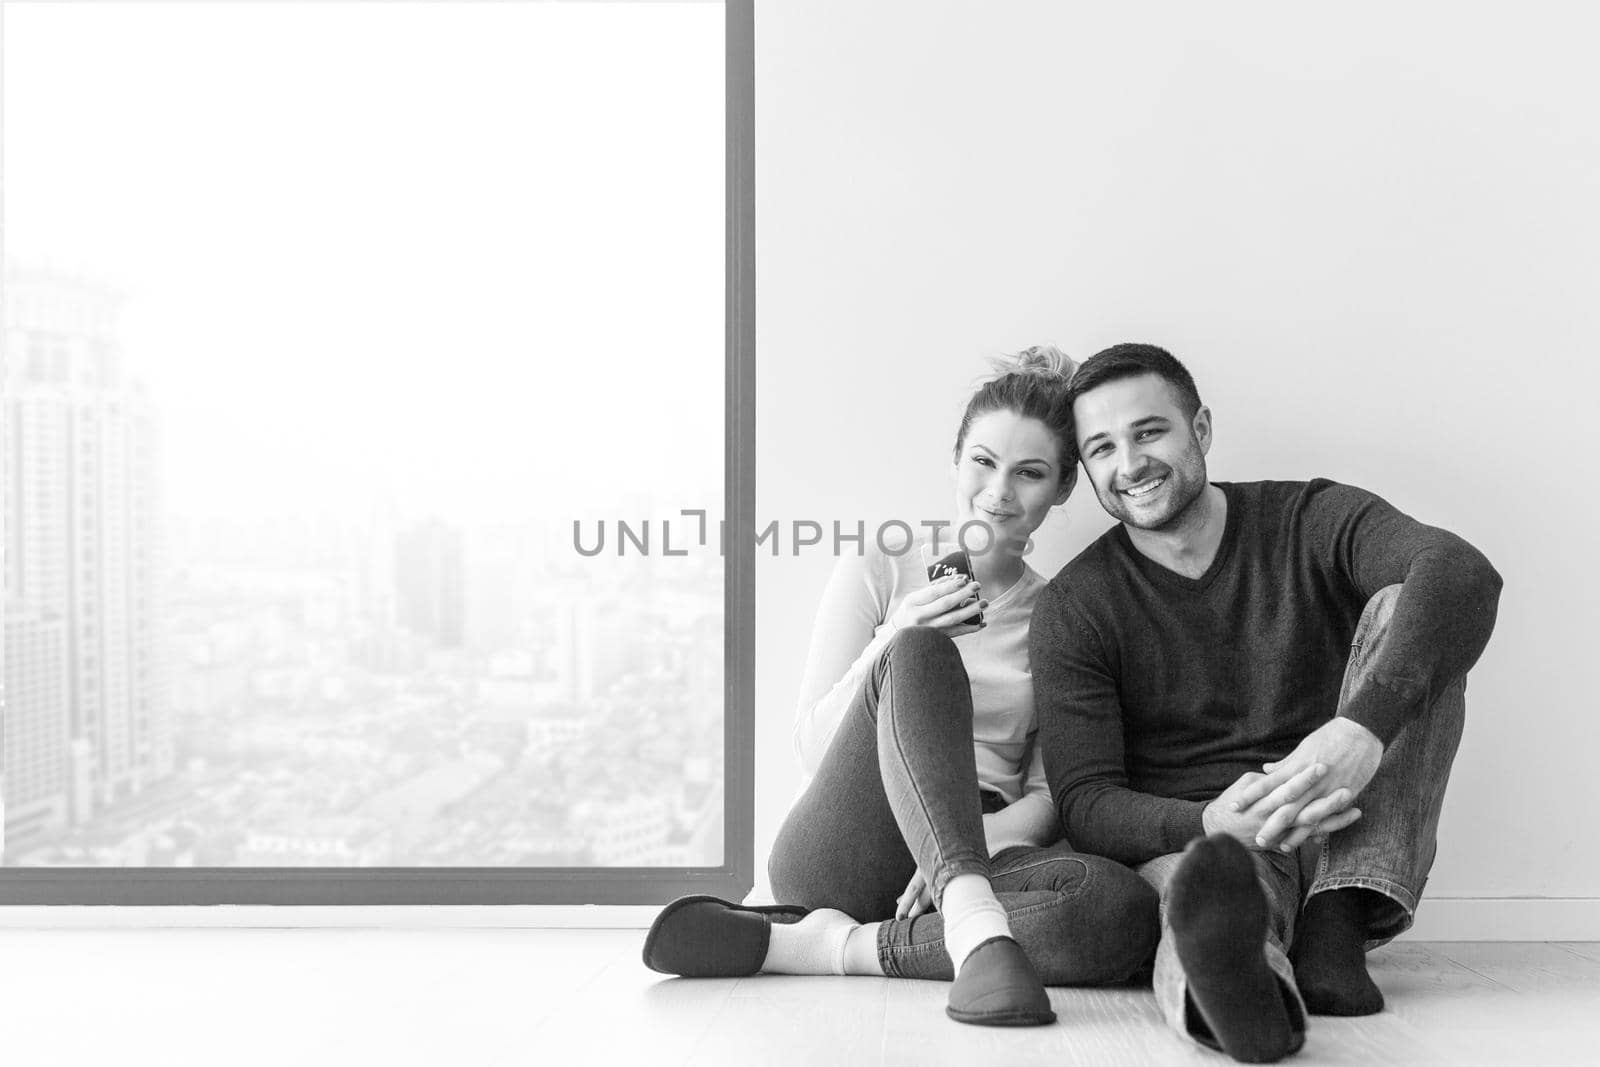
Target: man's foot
column 997, row 986
column 1330, row 957
column 705, row 937
column 1218, row 916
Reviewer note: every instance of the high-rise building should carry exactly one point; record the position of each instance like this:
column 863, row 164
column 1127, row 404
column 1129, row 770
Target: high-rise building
column 500, row 588
column 82, row 537
column 628, row 832
column 430, row 582
column 38, row 779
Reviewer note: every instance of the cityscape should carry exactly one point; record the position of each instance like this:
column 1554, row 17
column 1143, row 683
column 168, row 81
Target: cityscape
column 377, row 687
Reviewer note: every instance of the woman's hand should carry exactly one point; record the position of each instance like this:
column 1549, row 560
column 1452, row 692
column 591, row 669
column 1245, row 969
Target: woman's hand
column 917, row 898
column 948, row 605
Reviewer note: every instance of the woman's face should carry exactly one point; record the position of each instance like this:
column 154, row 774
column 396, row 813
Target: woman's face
column 1008, row 476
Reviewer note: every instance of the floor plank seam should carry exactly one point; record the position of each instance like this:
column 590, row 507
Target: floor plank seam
column 1480, row 974
column 1569, row 950
column 711, row 1024
column 883, row 1023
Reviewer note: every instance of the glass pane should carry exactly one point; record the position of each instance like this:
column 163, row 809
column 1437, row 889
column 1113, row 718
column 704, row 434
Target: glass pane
column 332, row 332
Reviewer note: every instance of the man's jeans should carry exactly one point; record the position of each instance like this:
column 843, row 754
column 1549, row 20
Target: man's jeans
column 898, row 790
column 1390, row 849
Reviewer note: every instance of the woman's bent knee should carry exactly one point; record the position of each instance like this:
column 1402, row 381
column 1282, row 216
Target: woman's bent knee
column 922, row 641
column 1134, row 908
column 1104, row 929
column 791, row 870
column 929, row 675
column 795, row 876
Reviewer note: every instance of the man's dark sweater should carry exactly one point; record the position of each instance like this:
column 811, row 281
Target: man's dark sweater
column 1155, row 692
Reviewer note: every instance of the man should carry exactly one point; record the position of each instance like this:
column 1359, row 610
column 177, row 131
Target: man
column 1253, row 693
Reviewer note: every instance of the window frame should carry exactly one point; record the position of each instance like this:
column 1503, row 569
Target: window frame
column 146, row 886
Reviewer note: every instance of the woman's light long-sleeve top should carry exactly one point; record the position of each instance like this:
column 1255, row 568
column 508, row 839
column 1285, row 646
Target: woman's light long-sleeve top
column 852, row 628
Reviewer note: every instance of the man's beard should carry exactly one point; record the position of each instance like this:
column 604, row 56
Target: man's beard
column 1185, row 486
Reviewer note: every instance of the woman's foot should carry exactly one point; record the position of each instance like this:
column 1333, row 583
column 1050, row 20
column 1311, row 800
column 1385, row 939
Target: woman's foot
column 997, row 986
column 826, row 941
column 707, row 937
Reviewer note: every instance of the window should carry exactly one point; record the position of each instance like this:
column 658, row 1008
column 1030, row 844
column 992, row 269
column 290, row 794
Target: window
column 370, row 350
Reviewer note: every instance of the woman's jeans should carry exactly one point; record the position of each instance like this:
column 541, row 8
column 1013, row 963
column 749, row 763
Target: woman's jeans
column 1388, row 850
column 898, row 790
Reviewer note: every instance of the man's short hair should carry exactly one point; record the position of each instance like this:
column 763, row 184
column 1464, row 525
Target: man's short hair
column 1133, row 360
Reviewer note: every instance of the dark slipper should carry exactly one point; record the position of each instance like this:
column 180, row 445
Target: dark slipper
column 997, row 986
column 707, row 937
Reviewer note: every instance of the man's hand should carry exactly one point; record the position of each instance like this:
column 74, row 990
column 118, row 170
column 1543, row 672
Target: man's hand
column 1349, row 754
column 1245, row 807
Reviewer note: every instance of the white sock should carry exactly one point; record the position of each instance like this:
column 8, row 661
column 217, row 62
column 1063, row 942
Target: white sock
column 861, row 951
column 814, row 945
column 972, row 916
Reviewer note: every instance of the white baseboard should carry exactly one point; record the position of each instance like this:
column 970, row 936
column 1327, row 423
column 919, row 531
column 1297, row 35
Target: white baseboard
column 408, row 917
column 1507, row 919
column 1439, row 918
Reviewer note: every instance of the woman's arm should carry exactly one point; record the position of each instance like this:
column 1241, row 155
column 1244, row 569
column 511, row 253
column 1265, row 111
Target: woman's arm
column 843, row 649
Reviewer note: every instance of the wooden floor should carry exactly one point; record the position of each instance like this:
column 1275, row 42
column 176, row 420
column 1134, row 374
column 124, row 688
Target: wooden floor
column 529, row 997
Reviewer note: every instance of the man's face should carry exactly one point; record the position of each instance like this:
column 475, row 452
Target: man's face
column 1145, row 458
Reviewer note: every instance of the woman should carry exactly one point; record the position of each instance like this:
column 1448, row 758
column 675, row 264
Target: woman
column 916, row 722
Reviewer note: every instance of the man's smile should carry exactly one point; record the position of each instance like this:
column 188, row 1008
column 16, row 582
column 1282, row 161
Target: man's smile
column 1144, row 488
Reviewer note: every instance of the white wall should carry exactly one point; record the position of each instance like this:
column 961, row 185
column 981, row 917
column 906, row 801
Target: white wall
column 1371, row 231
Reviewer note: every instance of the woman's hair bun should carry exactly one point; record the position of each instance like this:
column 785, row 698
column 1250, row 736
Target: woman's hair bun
column 1045, row 361
column 1033, row 384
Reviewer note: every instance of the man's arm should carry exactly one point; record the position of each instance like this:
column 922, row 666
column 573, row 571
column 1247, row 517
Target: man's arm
column 1449, row 596
column 1443, row 616
column 1081, row 733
